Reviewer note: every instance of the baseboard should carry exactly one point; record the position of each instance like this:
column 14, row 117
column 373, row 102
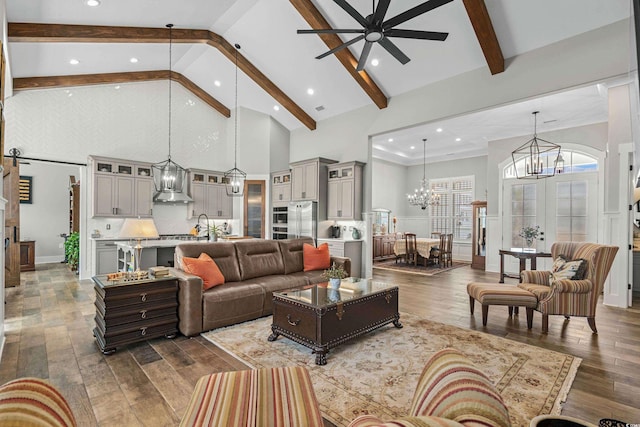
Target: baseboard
column 49, row 259
column 2, row 342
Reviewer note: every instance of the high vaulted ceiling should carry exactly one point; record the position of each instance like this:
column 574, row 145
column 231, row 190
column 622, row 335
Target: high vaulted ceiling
column 277, row 65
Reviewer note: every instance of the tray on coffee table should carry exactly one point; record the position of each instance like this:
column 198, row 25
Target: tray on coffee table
column 321, row 318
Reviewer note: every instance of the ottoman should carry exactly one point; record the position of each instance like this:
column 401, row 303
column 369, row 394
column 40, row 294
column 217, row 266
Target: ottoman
column 499, row 294
column 268, row 397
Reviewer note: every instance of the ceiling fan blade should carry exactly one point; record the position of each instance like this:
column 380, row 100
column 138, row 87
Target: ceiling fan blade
column 330, row 31
column 381, row 10
column 342, row 46
column 393, row 50
column 364, row 55
column 351, row 11
column 413, row 12
column 413, row 34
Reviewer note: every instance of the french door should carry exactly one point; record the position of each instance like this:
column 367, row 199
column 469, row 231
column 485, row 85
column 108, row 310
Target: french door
column 565, row 207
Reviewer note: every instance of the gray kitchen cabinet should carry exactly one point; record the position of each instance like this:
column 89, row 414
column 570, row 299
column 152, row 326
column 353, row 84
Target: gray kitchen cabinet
column 106, row 257
column 121, row 189
column 280, row 188
column 144, row 197
column 344, row 193
column 309, row 179
column 209, row 195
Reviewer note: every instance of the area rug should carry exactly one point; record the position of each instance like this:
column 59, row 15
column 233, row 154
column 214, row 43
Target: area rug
column 417, row 269
column 377, row 373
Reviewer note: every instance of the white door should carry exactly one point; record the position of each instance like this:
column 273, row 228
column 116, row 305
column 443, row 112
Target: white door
column 563, row 206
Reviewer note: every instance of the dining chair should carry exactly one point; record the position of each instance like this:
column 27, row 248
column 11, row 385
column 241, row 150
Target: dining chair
column 446, row 250
column 411, row 249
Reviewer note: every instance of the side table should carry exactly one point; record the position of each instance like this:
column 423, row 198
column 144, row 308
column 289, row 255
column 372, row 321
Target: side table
column 136, row 310
column 523, row 256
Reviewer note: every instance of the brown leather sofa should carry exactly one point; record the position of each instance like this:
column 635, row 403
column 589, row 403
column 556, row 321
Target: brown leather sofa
column 253, row 270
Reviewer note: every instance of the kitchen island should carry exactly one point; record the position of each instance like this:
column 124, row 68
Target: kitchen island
column 154, row 253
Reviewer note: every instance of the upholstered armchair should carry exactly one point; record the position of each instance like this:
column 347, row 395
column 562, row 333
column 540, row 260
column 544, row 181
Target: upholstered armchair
column 450, row 392
column 570, row 297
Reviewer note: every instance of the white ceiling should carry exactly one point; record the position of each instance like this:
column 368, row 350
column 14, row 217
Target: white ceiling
column 266, row 29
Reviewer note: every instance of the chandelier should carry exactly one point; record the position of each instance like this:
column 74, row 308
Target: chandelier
column 423, row 197
column 234, row 178
column 542, row 159
column 168, row 176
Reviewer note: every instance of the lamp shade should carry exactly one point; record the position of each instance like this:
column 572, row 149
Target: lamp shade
column 138, row 228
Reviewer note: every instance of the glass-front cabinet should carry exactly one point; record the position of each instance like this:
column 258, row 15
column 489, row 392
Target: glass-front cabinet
column 479, row 242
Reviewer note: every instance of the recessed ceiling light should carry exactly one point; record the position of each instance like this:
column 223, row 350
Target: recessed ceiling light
column 133, row 60
column 413, row 147
column 390, row 140
column 439, row 130
column 116, row 87
column 276, row 107
column 93, row 3
column 310, row 91
column 458, row 139
column 375, row 62
column 217, row 83
column 74, row 62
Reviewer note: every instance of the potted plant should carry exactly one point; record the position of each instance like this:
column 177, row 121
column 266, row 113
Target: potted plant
column 530, row 234
column 215, row 231
column 334, row 274
column 72, row 250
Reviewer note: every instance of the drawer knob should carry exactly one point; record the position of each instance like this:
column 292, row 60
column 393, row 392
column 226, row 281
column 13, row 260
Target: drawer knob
column 143, row 314
column 143, row 297
column 143, row 331
column 292, row 322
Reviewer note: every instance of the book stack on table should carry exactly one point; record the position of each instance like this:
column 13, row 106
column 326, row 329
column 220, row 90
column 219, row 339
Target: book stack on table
column 159, row 271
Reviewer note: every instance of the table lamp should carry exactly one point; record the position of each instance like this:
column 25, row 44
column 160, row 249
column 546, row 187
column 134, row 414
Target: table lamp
column 138, row 228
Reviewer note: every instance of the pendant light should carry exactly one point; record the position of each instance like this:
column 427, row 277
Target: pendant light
column 234, row 178
column 423, row 197
column 542, row 159
column 168, row 176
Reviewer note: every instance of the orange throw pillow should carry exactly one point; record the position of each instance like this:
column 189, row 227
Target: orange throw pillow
column 205, row 268
column 316, row 258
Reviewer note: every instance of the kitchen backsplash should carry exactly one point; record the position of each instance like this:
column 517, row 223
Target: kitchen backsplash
column 169, row 219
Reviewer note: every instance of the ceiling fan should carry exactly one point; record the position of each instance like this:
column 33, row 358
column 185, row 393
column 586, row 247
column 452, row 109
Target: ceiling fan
column 377, row 30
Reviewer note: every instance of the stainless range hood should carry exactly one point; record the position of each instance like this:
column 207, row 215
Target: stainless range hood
column 169, row 180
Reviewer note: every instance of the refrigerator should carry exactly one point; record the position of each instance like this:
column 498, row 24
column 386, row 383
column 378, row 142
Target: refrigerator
column 302, row 220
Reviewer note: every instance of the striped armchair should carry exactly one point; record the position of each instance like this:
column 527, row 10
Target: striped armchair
column 450, row 392
column 32, row 402
column 571, row 297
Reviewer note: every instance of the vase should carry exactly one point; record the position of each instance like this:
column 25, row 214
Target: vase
column 529, row 241
column 334, row 283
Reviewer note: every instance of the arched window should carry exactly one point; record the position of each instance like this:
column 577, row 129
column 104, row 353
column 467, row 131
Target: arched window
column 574, row 162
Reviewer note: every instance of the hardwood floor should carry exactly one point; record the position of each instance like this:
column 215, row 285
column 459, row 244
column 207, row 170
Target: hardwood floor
column 49, row 322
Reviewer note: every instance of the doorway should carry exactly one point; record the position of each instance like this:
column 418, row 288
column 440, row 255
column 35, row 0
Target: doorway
column 254, row 205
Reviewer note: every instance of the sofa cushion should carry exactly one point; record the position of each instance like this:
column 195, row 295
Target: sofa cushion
column 291, row 250
column 205, row 268
column 231, row 303
column 223, row 253
column 276, row 283
column 316, row 258
column 259, row 257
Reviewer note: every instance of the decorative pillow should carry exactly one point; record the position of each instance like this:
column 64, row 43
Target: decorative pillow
column 205, row 268
column 573, row 270
column 316, row 258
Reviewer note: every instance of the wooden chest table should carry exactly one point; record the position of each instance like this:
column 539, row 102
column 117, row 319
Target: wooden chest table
column 322, row 318
column 132, row 311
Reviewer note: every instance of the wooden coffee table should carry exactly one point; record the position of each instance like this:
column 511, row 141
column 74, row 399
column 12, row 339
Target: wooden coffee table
column 322, row 318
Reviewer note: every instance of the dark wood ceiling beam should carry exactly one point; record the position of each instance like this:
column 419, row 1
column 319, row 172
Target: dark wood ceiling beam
column 481, row 22
column 314, row 18
column 26, row 83
column 22, row 32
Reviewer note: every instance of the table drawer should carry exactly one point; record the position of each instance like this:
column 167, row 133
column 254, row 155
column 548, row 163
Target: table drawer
column 138, row 329
column 138, row 312
column 110, row 342
column 143, row 297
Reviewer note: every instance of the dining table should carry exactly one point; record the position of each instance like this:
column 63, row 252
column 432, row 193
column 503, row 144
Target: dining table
column 423, row 245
